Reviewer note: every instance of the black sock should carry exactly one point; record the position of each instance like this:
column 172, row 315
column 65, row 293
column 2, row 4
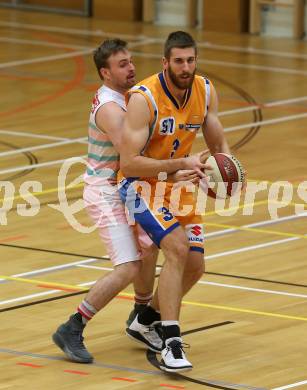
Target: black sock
column 170, row 331
column 148, row 316
column 140, row 307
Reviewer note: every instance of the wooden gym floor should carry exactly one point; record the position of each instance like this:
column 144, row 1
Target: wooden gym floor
column 246, row 318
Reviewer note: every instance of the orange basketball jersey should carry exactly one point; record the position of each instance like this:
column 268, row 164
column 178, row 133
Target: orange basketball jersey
column 173, row 127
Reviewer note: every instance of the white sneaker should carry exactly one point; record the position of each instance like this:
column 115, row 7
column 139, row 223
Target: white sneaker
column 173, row 357
column 144, row 334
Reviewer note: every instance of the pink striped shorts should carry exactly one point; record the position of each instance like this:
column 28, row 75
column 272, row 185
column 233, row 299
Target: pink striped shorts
column 124, row 243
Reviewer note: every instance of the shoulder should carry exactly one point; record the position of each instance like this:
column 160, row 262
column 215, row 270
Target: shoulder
column 202, row 80
column 147, row 84
column 109, row 109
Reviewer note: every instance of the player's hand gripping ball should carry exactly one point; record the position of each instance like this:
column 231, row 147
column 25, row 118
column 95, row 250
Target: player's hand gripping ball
column 226, row 177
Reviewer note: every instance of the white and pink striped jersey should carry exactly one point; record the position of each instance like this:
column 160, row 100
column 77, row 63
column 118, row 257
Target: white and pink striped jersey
column 103, row 159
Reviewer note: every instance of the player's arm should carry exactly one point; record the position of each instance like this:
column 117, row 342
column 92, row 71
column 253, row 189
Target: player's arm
column 212, row 129
column 110, row 120
column 135, row 136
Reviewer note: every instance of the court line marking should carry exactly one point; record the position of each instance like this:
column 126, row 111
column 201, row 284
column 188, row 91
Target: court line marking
column 53, row 268
column 123, row 294
column 45, row 59
column 225, row 64
column 153, row 55
column 266, row 122
column 79, row 262
column 79, row 70
column 276, row 292
column 260, row 223
column 69, row 46
column 73, row 31
column 227, row 129
column 26, row 297
column 31, row 296
column 41, row 193
column 264, row 105
column 94, row 364
column 202, row 44
column 37, row 42
column 100, row 268
column 252, row 247
column 41, row 165
column 56, row 189
column 45, row 146
column 50, row 284
column 220, row 232
column 56, row 57
column 243, row 205
column 207, row 214
column 252, row 50
column 13, row 133
column 159, row 373
column 256, row 230
column 254, row 67
column 291, row 385
column 222, row 113
column 248, row 311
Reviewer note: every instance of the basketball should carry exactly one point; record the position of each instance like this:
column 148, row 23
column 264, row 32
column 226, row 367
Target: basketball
column 226, row 176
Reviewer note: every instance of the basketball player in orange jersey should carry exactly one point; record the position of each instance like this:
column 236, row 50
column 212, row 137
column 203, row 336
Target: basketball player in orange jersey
column 164, row 113
column 103, row 203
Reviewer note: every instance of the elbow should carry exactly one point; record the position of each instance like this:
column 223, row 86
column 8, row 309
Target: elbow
column 126, row 167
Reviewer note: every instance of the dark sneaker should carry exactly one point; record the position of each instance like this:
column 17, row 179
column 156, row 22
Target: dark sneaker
column 138, row 308
column 173, row 357
column 145, row 334
column 69, row 338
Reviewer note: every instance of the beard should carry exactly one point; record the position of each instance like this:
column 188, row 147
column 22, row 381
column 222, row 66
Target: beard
column 182, row 81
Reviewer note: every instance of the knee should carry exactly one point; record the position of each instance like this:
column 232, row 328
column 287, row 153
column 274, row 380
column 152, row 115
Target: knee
column 135, row 268
column 195, row 268
column 130, row 270
column 177, row 249
column 199, row 271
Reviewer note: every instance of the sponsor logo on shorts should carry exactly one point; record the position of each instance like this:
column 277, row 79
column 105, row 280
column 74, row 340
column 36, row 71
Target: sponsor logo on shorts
column 196, row 239
column 196, row 230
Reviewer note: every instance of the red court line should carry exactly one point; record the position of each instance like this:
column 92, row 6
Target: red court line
column 124, row 297
column 171, row 386
column 77, row 372
column 15, row 238
column 124, row 379
column 91, row 87
column 78, row 78
column 29, row 365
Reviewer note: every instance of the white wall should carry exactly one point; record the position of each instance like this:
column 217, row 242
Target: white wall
column 171, row 12
column 278, row 21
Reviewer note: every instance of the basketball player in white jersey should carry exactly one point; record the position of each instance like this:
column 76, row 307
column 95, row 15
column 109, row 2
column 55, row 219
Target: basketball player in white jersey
column 104, row 205
column 126, row 246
